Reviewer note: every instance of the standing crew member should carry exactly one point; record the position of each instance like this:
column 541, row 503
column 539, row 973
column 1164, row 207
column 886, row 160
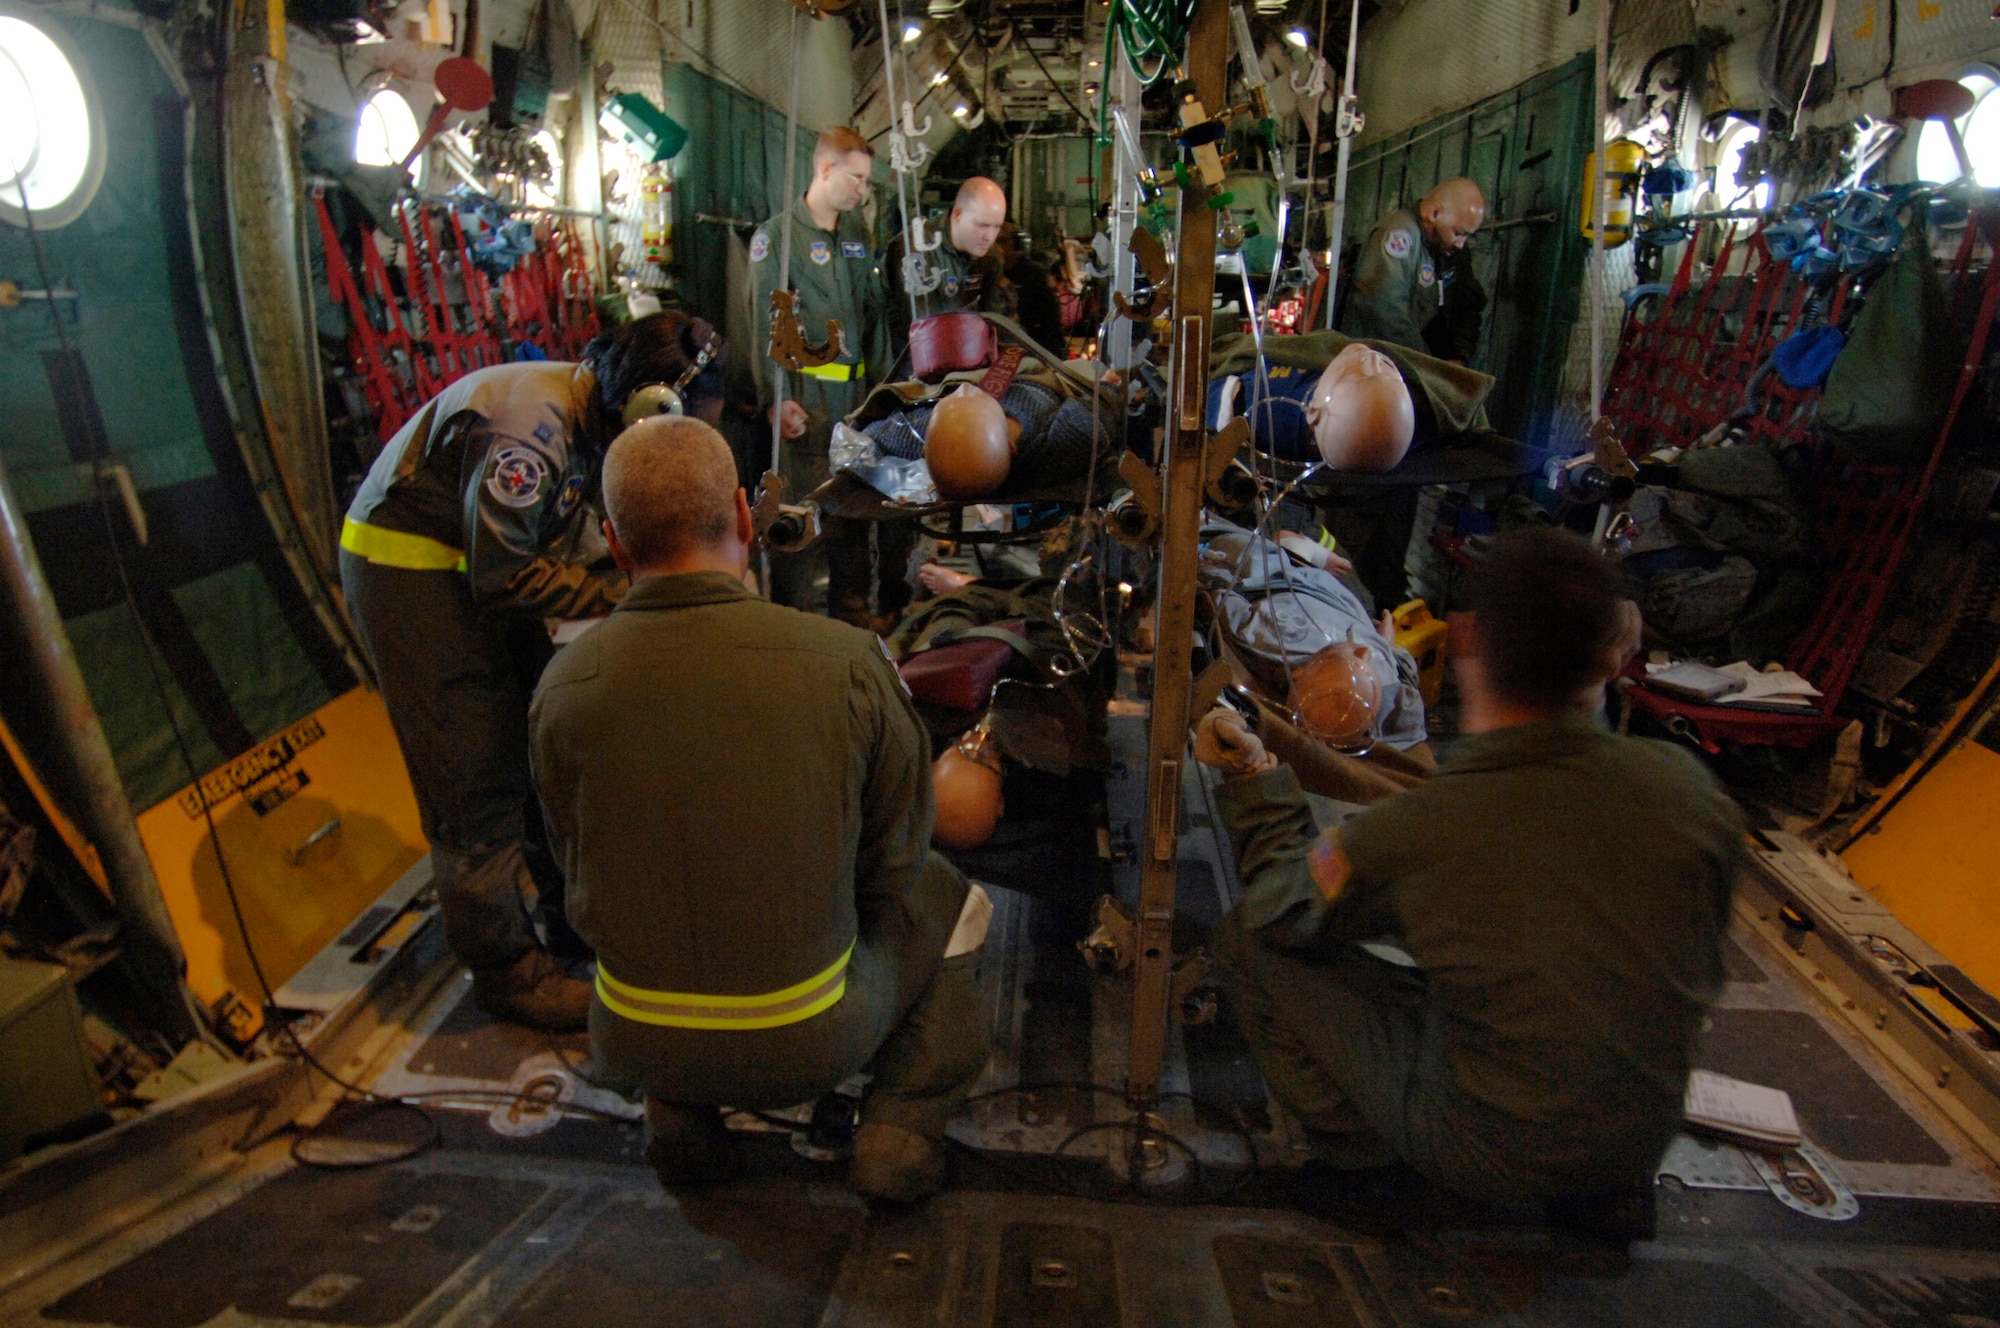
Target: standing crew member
column 834, row 274
column 475, row 524
column 1398, row 282
column 1561, row 890
column 977, row 214
column 741, row 797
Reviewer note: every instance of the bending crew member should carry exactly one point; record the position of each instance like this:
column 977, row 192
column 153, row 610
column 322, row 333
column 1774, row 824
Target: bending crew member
column 1539, row 1047
column 741, row 798
column 834, row 274
column 977, row 214
column 475, row 524
column 1398, row 282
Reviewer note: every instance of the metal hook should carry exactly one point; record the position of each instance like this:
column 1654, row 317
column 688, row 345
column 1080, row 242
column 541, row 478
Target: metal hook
column 910, row 127
column 917, row 233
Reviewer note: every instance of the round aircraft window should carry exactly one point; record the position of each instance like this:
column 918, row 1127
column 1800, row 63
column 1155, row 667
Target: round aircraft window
column 1734, row 184
column 51, row 132
column 387, row 132
column 1980, row 127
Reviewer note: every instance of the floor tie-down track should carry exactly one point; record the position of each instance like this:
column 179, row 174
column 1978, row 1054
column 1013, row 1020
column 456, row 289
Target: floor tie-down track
column 528, row 1216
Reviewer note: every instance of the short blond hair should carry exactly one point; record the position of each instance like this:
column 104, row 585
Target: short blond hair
column 669, row 486
column 836, row 143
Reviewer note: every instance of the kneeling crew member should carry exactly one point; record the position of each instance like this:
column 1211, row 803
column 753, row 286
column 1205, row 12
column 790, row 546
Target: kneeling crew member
column 475, row 524
column 741, row 799
column 1562, row 891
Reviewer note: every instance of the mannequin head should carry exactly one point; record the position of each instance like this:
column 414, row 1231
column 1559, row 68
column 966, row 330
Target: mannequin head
column 977, row 215
column 1337, row 696
column 1450, row 214
column 968, row 445
column 966, row 780
column 1361, row 413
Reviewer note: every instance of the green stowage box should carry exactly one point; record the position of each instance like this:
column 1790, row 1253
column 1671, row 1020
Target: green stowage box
column 46, row 1079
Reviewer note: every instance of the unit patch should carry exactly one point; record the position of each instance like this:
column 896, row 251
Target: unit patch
column 1427, row 275
column 951, row 285
column 853, row 249
column 820, row 253
column 569, row 496
column 1397, row 245
column 760, row 247
column 518, row 473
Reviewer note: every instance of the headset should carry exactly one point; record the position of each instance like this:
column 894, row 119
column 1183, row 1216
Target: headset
column 663, row 399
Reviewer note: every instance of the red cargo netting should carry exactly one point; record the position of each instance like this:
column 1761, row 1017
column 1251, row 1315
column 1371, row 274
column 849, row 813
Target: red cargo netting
column 1686, row 371
column 435, row 316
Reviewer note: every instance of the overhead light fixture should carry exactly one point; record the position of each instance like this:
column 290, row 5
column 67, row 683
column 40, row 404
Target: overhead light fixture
column 912, row 33
column 1298, row 38
column 1090, row 89
column 1271, row 6
column 960, row 111
column 1092, row 64
column 937, row 79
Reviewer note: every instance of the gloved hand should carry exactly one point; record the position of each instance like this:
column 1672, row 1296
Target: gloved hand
column 1222, row 739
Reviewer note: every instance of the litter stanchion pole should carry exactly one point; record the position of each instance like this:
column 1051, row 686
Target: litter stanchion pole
column 1187, row 436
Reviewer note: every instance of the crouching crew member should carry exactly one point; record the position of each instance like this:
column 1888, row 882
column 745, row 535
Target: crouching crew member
column 977, row 213
column 475, row 524
column 741, row 799
column 1562, row 891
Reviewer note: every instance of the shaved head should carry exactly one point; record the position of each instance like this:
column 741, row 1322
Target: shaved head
column 1450, row 214
column 669, row 487
column 977, row 215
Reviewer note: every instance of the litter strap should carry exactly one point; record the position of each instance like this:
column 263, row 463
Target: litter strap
column 678, row 1009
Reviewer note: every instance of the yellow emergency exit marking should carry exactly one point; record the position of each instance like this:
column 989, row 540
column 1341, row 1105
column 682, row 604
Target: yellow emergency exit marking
column 252, row 767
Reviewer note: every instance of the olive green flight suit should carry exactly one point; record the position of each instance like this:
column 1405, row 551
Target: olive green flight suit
column 740, row 795
column 478, row 520
column 961, row 283
column 835, row 275
column 1396, row 287
column 1563, row 892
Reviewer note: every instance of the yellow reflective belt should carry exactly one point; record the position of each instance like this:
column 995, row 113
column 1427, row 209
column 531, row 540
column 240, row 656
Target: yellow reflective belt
column 837, row 372
column 397, row 548
column 678, row 1009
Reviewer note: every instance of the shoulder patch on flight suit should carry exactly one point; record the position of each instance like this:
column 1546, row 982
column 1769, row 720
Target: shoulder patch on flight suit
column 1329, row 866
column 517, row 478
column 853, row 249
column 819, row 253
column 951, row 285
column 1397, row 244
column 760, row 247
column 1427, row 275
column 568, row 496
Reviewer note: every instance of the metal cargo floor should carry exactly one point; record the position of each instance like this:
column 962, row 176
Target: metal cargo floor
column 520, row 1217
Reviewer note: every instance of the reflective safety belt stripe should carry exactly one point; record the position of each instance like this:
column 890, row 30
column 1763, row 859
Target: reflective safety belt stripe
column 398, row 548
column 676, row 1009
column 837, row 372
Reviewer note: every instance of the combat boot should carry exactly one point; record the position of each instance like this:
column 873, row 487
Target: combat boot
column 894, row 1164
column 533, row 990
column 689, row 1145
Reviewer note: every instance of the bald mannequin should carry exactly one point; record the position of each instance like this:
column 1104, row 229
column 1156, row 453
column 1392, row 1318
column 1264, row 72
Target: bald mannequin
column 1362, row 415
column 977, row 215
column 1398, row 286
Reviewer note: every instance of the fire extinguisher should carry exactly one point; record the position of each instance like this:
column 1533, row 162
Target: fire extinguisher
column 1625, row 167
column 656, row 231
